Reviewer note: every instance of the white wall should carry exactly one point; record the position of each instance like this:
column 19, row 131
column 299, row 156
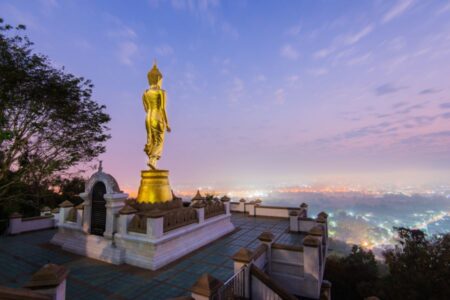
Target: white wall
column 19, row 225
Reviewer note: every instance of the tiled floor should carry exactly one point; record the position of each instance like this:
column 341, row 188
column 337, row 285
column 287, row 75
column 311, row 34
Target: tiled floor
column 22, row 255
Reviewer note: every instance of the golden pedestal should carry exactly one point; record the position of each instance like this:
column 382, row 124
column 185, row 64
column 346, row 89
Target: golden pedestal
column 154, row 187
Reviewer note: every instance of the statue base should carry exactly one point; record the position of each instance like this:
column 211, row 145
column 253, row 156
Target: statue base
column 154, row 187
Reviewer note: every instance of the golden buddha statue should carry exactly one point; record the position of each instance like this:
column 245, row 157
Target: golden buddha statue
column 155, row 185
column 156, row 123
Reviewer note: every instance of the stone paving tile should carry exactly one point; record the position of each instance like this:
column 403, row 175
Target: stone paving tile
column 24, row 254
column 291, row 238
column 223, row 273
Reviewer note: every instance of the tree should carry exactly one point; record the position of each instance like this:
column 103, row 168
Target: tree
column 419, row 267
column 354, row 276
column 48, row 121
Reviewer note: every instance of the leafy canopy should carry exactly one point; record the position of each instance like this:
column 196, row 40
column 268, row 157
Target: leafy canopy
column 48, row 121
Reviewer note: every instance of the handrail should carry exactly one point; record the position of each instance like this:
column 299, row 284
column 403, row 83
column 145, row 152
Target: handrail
column 258, row 273
column 234, row 287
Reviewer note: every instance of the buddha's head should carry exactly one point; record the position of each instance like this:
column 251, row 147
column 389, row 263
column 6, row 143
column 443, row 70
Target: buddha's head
column 155, row 76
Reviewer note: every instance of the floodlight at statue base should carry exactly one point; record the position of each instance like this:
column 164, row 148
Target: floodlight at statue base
column 154, row 187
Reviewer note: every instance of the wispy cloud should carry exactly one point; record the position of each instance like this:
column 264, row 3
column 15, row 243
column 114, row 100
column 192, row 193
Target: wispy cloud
column 445, row 105
column 356, row 37
column 164, row 50
column 260, row 78
column 237, row 89
column 429, row 91
column 207, row 10
column 229, row 30
column 397, row 10
column 359, row 59
column 318, row 71
column 387, row 88
column 280, row 96
column 122, row 32
column 127, row 50
column 294, row 30
column 444, row 9
column 289, row 52
column 293, row 79
column 322, row 53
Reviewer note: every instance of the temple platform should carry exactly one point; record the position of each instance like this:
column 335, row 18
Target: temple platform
column 89, row 278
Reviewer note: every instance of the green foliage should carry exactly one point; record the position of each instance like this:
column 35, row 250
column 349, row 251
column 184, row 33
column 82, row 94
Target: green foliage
column 418, row 268
column 353, row 276
column 48, row 121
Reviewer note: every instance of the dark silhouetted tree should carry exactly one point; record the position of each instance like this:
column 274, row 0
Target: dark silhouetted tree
column 354, row 276
column 419, row 267
column 48, row 121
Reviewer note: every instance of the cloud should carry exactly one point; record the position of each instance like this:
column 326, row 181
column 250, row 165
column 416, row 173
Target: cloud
column 294, row 30
column 123, row 32
column 387, row 88
column 354, row 38
column 322, row 53
column 427, row 138
column 164, row 50
column 200, row 8
column 237, row 89
column 127, row 50
column 399, row 104
column 293, row 79
column 359, row 59
column 287, row 51
column 445, row 105
column 428, row 91
column 260, row 78
column 229, row 30
column 443, row 9
column 318, row 71
column 397, row 10
column 280, row 96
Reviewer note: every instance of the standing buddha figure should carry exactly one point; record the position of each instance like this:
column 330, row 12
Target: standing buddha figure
column 156, row 123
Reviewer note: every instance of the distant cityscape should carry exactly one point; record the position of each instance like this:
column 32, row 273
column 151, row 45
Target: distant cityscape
column 364, row 216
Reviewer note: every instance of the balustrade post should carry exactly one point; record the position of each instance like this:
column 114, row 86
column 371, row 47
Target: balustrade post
column 250, row 208
column 64, row 209
column 50, row 280
column 114, row 202
column 79, row 214
column 304, row 207
column 243, row 259
column 86, row 212
column 267, row 238
column 311, row 263
column 293, row 221
column 155, row 224
column 200, row 209
column 206, row 288
column 241, row 207
column 226, row 202
column 126, row 213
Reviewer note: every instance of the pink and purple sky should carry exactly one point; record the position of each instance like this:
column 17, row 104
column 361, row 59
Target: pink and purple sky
column 263, row 94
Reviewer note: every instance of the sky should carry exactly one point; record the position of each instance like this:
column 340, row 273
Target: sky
column 263, row 93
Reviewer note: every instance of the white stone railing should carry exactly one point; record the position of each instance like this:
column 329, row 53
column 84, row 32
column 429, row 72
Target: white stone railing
column 255, row 208
column 158, row 222
column 18, row 224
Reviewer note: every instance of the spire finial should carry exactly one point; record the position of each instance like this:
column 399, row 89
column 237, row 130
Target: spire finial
column 100, row 166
